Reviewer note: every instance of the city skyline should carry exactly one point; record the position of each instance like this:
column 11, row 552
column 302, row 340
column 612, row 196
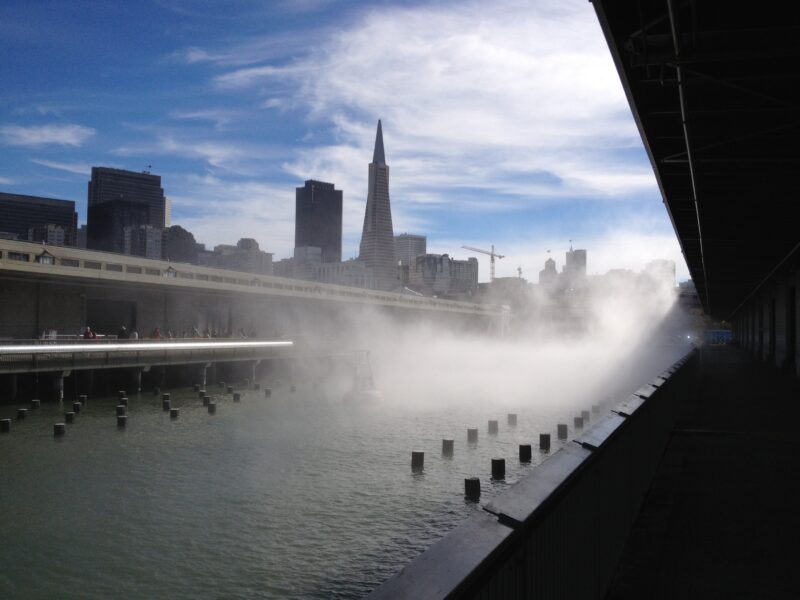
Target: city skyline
column 235, row 124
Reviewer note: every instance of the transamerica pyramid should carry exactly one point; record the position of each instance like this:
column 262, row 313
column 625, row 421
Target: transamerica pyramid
column 377, row 237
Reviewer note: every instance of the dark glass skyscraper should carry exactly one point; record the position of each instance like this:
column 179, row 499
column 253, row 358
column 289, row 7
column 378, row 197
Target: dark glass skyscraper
column 318, row 219
column 377, row 237
column 108, row 220
column 19, row 214
column 122, row 188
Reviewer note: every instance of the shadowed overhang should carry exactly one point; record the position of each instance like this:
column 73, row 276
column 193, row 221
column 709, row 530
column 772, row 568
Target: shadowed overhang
column 713, row 87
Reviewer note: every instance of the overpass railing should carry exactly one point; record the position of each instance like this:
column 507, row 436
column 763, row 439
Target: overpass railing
column 559, row 532
column 91, row 354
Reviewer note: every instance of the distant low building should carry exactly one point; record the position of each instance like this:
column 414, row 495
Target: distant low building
column 440, row 275
column 245, row 256
column 143, row 240
column 353, row 273
column 80, row 240
column 180, row 245
column 53, row 235
column 408, row 246
column 303, row 265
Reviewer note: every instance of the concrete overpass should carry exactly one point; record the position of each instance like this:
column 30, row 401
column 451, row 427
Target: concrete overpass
column 66, row 288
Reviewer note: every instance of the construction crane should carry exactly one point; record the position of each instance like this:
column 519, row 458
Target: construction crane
column 492, row 255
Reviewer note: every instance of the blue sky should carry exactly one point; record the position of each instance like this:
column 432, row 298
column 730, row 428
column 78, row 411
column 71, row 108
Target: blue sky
column 504, row 125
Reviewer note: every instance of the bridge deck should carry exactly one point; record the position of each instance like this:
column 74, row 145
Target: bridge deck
column 721, row 519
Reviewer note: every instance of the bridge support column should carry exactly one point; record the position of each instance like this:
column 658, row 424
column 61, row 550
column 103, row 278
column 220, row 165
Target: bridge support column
column 8, row 387
column 57, row 385
column 85, row 382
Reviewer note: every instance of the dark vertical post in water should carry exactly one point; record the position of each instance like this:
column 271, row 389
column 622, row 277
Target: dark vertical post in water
column 447, row 447
column 498, row 468
column 525, row 453
column 417, row 461
column 544, row 441
column 472, row 488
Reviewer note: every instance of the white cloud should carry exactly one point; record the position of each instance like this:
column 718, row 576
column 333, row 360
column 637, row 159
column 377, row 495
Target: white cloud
column 6, row 181
column 39, row 135
column 220, row 117
column 230, row 156
column 219, row 211
column 242, row 78
column 467, row 99
column 79, row 168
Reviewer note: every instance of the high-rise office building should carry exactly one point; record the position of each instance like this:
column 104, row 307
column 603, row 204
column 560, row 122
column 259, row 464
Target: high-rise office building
column 25, row 216
column 318, row 219
column 124, row 188
column 548, row 275
column 377, row 237
column 107, row 222
column 408, row 246
column 575, row 265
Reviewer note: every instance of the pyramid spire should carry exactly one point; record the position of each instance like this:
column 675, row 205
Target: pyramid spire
column 377, row 237
column 378, row 156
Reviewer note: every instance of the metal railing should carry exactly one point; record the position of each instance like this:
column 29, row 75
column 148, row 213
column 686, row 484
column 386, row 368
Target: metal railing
column 560, row 532
column 93, row 354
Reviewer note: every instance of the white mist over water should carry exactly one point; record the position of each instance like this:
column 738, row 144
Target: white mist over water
column 301, row 495
column 567, row 352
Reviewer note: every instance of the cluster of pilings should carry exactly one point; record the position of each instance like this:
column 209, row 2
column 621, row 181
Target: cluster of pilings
column 121, row 408
column 66, row 385
column 472, row 485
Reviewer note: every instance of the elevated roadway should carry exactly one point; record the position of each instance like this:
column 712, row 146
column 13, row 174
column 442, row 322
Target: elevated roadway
column 62, row 288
